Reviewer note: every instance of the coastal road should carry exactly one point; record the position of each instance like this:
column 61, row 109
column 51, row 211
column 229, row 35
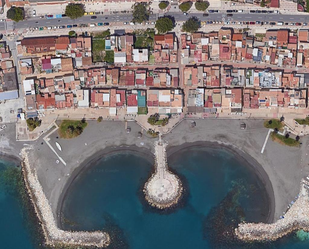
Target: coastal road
column 112, row 18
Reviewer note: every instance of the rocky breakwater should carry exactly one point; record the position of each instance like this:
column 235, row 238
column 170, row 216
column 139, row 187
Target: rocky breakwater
column 163, row 189
column 296, row 218
column 53, row 235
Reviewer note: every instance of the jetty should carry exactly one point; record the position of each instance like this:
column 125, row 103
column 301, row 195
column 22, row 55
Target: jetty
column 163, row 189
column 296, row 218
column 52, row 234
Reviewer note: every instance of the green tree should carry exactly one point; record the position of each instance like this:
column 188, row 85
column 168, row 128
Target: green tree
column 263, row 4
column 184, row 7
column 201, row 6
column 72, row 33
column 33, row 123
column 164, row 24
column 74, row 11
column 140, row 13
column 15, row 13
column 163, row 5
column 191, row 25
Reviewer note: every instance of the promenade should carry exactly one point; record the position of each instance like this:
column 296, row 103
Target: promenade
column 296, row 218
column 163, row 189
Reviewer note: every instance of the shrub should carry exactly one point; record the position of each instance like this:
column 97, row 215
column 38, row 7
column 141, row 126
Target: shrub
column 163, row 5
column 72, row 128
column 74, row 11
column 273, row 123
column 201, row 6
column 100, row 119
column 72, row 33
column 184, row 7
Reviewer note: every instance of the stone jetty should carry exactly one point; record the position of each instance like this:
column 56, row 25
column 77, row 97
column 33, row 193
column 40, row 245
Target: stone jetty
column 163, row 189
column 53, row 235
column 296, row 218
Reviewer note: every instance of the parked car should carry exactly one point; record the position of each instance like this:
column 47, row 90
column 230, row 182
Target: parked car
column 106, row 23
column 205, row 14
column 100, row 24
column 229, row 14
column 92, row 25
column 272, row 23
column 252, row 11
column 125, row 23
column 33, row 13
column 94, row 17
column 240, row 11
column 185, row 13
column 69, row 26
column 75, row 25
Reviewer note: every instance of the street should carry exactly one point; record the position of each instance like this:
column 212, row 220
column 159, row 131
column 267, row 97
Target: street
column 112, row 18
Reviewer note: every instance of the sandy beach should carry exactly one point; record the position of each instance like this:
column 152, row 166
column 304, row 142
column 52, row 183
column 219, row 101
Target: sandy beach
column 280, row 168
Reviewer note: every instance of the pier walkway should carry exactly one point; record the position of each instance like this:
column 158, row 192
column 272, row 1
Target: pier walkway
column 163, row 189
column 296, row 218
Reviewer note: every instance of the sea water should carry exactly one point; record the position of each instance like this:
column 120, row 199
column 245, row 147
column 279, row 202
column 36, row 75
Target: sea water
column 221, row 191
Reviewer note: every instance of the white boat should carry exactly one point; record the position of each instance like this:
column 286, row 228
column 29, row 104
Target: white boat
column 58, row 146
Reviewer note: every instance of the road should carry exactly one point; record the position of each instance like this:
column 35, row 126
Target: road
column 111, row 18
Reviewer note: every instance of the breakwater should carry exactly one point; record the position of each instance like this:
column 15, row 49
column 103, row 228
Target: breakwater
column 163, row 189
column 52, row 234
column 296, row 218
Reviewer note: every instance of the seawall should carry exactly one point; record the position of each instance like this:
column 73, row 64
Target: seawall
column 296, row 218
column 52, row 234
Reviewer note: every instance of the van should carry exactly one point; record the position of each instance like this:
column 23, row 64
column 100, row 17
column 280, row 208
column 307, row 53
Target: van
column 280, row 23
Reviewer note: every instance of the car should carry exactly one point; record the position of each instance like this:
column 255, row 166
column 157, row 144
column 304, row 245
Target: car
column 62, row 27
column 258, row 11
column 239, row 23
column 91, row 13
column 125, row 23
column 41, row 28
column 272, row 23
column 211, row 11
column 305, row 24
column 97, row 13
column 132, row 23
column 257, row 22
column 286, row 23
column 292, row 23
column 216, row 11
column 233, row 4
column 252, row 23
column 240, row 11
column 298, row 24
column 64, row 15
column 270, row 11
column 106, row 23
column 229, row 14
column 280, row 23
column 106, row 18
column 252, row 11
column 185, row 13
column 41, row 16
column 266, row 23
column 33, row 13
column 49, row 27
column 69, row 26
column 229, row 11
column 92, row 25
column 100, row 24
column 94, row 17
column 85, row 14
column 74, row 25
column 243, row 126
column 276, row 12
column 55, row 27
column 153, row 23
column 264, row 11
column 50, row 16
column 233, row 23
column 205, row 14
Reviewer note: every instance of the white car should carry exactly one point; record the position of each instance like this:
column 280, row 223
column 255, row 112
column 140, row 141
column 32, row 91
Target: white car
column 240, row 11
column 33, row 13
column 125, row 23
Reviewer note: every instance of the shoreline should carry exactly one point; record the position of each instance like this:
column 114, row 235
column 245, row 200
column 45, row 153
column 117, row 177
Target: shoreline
column 249, row 162
column 92, row 160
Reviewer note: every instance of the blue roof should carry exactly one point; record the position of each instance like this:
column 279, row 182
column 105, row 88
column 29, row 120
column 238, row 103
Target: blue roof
column 9, row 95
column 141, row 99
column 107, row 44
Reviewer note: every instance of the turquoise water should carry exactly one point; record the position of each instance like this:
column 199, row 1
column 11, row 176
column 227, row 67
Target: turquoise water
column 221, row 191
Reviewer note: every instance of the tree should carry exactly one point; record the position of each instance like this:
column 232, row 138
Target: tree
column 263, row 3
column 287, row 135
column 74, row 10
column 100, row 119
column 297, row 138
column 153, row 119
column 72, row 33
column 15, row 13
column 201, row 6
column 33, row 123
column 191, row 25
column 184, row 7
column 163, row 5
column 164, row 24
column 140, row 13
